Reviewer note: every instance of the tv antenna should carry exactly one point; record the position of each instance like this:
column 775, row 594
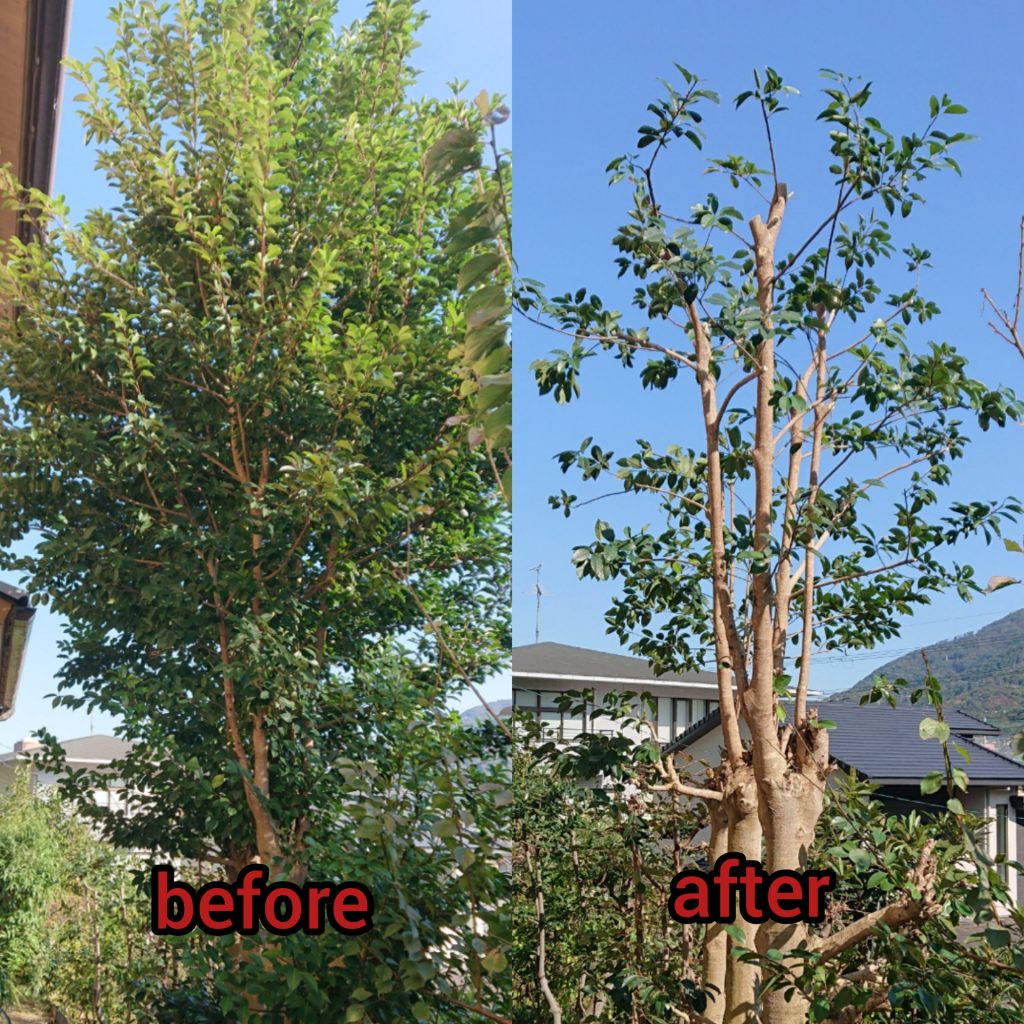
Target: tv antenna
column 538, row 591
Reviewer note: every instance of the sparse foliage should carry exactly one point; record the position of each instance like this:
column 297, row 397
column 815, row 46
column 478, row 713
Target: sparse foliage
column 808, row 397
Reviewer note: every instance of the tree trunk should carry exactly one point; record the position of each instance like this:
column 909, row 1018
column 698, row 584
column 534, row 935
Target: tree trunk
column 716, row 940
column 741, row 979
column 791, row 805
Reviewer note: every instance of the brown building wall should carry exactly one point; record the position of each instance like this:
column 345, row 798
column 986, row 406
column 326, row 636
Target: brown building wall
column 14, row 48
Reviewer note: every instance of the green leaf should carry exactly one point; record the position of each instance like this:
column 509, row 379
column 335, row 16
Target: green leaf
column 476, row 268
column 997, row 938
column 933, row 729
column 860, row 858
column 494, row 961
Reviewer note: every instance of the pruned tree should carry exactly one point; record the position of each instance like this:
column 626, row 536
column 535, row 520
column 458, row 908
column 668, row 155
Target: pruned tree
column 811, row 399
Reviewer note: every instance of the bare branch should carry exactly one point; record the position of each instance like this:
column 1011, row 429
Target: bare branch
column 902, row 912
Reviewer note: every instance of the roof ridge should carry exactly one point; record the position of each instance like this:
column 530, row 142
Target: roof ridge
column 95, row 736
column 586, row 650
column 973, row 718
column 902, row 707
column 989, row 750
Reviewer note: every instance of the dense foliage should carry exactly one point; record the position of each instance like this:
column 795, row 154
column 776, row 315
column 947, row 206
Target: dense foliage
column 604, row 856
column 241, row 418
column 73, row 920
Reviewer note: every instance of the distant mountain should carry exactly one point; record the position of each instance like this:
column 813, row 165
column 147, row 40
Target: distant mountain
column 475, row 714
column 981, row 673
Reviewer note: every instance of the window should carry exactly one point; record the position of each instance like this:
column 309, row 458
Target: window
column 665, row 730
column 544, row 706
column 683, row 708
column 1002, row 849
column 525, row 698
column 673, row 716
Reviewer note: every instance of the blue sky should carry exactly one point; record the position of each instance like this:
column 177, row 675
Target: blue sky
column 462, row 39
column 586, row 80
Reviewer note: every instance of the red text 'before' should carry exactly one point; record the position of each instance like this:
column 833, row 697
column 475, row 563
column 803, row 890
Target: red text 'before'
column 249, row 904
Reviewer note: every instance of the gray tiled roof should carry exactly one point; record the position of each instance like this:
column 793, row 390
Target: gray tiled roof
column 581, row 663
column 883, row 744
column 85, row 749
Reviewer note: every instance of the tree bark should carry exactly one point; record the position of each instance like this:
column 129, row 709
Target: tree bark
column 716, row 940
column 792, row 806
column 740, row 799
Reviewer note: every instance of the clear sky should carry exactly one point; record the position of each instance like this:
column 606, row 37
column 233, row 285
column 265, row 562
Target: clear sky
column 589, row 71
column 462, row 39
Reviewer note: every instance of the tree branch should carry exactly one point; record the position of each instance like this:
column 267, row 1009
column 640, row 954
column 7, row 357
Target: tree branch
column 895, row 915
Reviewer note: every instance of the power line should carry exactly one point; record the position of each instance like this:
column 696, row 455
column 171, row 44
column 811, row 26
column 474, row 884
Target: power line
column 967, row 641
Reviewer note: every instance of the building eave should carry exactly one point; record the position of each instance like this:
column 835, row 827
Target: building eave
column 33, row 42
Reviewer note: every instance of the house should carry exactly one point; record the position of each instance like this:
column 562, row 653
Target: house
column 883, row 745
column 86, row 752
column 544, row 671
column 15, row 624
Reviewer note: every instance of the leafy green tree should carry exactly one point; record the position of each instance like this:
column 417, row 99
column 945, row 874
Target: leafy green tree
column 591, row 865
column 73, row 922
column 810, row 395
column 235, row 425
column 483, row 228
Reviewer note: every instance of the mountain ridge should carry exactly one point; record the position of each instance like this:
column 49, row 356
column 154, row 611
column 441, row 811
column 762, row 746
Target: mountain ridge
column 981, row 672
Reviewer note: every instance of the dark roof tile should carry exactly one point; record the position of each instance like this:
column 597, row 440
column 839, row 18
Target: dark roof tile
column 883, row 744
column 580, row 663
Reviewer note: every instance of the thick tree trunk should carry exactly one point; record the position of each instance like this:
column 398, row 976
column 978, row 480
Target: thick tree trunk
column 716, row 940
column 791, row 804
column 741, row 979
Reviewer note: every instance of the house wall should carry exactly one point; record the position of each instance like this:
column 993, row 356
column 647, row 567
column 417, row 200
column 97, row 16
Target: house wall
column 7, row 776
column 115, row 796
column 679, row 704
column 989, row 803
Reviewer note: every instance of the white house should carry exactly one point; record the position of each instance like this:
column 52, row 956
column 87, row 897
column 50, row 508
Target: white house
column 543, row 672
column 86, row 752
